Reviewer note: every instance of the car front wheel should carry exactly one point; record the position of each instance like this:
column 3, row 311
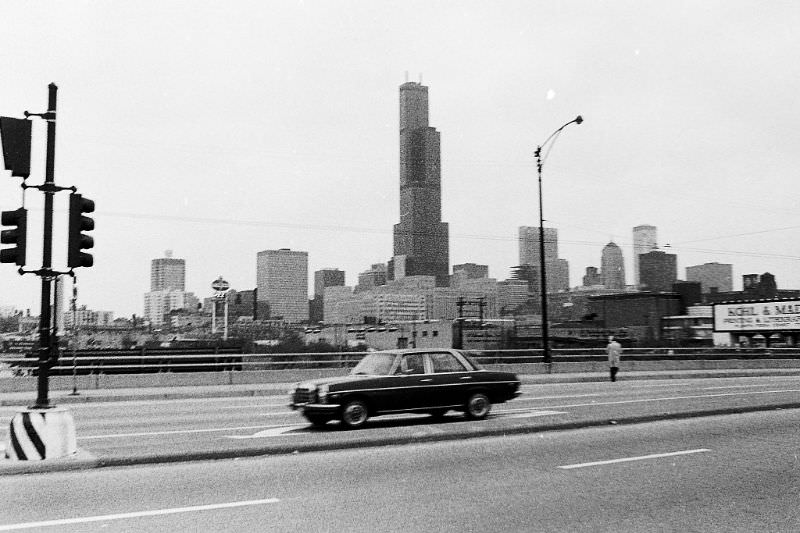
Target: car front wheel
column 354, row 414
column 478, row 406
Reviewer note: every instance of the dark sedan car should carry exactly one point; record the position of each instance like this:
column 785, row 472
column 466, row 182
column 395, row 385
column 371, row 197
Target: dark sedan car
column 405, row 381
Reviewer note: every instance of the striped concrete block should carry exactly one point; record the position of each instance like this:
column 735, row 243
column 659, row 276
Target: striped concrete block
column 37, row 434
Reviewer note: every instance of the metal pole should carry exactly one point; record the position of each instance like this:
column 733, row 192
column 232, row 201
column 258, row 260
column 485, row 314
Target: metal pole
column 213, row 315
column 74, row 339
column 542, row 263
column 225, row 330
column 543, row 274
column 45, row 319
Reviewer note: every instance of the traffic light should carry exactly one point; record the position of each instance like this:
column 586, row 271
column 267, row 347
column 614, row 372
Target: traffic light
column 15, row 134
column 77, row 225
column 18, row 218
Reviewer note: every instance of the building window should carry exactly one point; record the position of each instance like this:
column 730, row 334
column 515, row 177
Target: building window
column 424, row 333
column 435, row 333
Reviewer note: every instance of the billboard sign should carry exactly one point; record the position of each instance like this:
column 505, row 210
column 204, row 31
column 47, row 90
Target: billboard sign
column 757, row 316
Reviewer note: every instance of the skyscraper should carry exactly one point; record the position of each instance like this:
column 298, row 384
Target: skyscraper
column 612, row 267
column 282, row 282
column 658, row 271
column 556, row 270
column 421, row 236
column 168, row 273
column 644, row 241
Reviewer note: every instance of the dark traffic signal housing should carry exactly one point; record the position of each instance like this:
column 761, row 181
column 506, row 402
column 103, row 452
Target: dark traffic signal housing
column 78, row 223
column 17, row 236
column 15, row 134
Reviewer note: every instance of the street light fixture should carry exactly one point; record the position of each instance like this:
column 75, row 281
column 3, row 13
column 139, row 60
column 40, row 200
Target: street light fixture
column 542, row 275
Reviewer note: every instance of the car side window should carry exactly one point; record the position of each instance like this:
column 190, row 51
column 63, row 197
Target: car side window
column 446, row 362
column 413, row 364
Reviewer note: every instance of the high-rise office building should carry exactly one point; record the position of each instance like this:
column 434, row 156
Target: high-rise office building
column 421, row 236
column 556, row 270
column 644, row 241
column 612, row 267
column 327, row 277
column 282, row 283
column 658, row 271
column 168, row 273
column 713, row 277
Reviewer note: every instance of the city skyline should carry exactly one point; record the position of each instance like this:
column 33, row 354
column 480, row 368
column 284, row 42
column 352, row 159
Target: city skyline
column 221, row 132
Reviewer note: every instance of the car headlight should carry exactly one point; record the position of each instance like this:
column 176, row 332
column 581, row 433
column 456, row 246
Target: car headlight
column 322, row 393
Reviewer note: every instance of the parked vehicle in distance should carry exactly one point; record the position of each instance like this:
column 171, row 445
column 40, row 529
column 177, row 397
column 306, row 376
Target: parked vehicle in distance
column 432, row 381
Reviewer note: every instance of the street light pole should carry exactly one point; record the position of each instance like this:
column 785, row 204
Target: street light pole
column 542, row 272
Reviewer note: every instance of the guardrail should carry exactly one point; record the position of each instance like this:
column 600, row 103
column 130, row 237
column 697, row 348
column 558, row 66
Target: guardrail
column 228, row 361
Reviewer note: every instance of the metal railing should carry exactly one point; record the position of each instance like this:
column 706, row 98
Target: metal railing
column 124, row 362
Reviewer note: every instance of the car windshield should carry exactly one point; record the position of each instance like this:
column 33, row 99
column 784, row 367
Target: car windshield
column 375, row 364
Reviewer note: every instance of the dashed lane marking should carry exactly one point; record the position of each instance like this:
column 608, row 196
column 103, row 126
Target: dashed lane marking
column 629, row 459
column 531, row 414
column 136, row 514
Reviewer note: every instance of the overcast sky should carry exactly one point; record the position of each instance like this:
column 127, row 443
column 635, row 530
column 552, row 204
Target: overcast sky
column 220, row 129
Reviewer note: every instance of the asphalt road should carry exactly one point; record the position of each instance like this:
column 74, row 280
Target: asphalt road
column 726, row 473
column 145, row 431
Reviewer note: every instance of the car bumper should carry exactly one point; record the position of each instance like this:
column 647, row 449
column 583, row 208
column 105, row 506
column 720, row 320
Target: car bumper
column 316, row 407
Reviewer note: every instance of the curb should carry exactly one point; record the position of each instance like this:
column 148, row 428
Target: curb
column 85, row 460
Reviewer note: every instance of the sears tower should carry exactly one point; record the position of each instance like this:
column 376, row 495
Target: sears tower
column 421, row 238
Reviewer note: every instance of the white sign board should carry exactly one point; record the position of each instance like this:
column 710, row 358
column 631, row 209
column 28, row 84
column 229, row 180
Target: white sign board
column 757, row 316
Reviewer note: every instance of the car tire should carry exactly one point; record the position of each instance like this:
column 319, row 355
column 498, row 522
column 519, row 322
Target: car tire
column 477, row 406
column 438, row 413
column 354, row 414
column 317, row 421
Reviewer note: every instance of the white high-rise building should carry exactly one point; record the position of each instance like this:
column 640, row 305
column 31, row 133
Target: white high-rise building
column 282, row 282
column 644, row 241
column 168, row 273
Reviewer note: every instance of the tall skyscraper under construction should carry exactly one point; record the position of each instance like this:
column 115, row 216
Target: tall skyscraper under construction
column 421, row 238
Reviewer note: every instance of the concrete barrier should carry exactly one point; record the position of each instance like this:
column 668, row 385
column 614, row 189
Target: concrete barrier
column 38, row 434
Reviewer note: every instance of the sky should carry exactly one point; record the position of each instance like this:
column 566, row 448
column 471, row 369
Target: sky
column 220, row 129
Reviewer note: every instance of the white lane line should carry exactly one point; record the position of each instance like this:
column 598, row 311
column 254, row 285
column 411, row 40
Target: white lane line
column 175, row 432
column 667, row 398
column 137, row 514
column 629, row 459
column 274, row 432
column 530, row 414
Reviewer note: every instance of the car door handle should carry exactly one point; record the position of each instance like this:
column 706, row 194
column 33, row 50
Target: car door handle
column 466, row 377
column 426, row 380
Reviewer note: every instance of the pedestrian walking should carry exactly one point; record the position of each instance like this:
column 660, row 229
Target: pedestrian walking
column 614, row 350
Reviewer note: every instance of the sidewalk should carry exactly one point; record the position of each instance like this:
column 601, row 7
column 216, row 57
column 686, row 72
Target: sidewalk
column 59, row 397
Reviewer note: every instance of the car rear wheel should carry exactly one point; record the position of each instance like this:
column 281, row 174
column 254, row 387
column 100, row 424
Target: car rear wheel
column 477, row 406
column 354, row 414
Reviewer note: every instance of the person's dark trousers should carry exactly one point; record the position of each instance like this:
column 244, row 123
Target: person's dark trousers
column 614, row 370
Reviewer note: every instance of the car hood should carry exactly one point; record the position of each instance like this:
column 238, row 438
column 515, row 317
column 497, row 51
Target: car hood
column 312, row 384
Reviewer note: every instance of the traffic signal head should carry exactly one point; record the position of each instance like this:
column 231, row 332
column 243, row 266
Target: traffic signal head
column 15, row 134
column 78, row 223
column 18, row 219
